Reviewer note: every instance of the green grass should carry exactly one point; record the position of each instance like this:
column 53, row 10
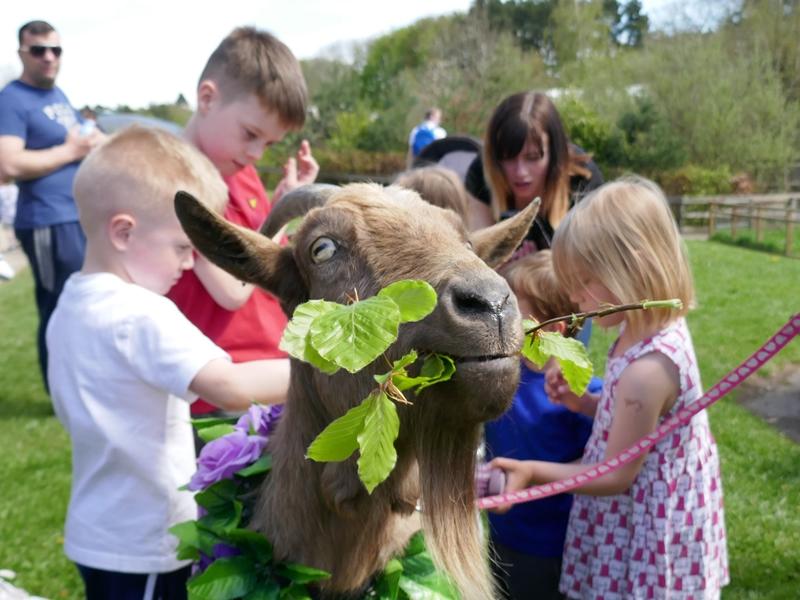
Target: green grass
column 743, row 296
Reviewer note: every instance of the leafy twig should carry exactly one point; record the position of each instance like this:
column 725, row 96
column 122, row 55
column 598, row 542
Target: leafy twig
column 579, row 318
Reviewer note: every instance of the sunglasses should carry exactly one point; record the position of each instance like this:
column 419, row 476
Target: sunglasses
column 40, row 51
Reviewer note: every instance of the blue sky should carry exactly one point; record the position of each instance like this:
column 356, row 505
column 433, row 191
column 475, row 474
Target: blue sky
column 149, row 51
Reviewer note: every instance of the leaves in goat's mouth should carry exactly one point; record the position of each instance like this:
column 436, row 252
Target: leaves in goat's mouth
column 333, row 336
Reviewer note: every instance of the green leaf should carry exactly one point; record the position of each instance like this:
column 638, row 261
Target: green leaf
column 388, row 584
column 415, row 298
column 570, row 354
column 301, row 573
column 206, row 422
column 353, row 336
column 433, row 587
column 577, row 376
column 251, row 543
column 398, row 367
column 225, row 579
column 528, row 324
column 188, row 540
column 224, row 511
column 209, row 434
column 262, row 465
column 532, row 350
column 295, row 336
column 296, row 592
column 264, row 590
column 376, row 442
column 435, row 369
column 340, row 438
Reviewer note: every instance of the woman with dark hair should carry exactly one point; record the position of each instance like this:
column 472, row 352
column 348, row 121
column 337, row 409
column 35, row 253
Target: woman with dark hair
column 526, row 154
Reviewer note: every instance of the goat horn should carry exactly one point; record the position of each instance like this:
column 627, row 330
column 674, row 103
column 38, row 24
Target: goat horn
column 296, row 203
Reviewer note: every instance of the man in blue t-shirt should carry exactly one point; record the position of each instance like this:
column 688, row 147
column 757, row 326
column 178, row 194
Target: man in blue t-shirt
column 40, row 148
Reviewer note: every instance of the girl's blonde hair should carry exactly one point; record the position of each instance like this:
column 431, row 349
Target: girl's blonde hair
column 438, row 186
column 624, row 235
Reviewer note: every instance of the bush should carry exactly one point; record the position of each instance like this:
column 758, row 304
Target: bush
column 650, row 143
column 353, row 161
column 692, row 180
column 598, row 137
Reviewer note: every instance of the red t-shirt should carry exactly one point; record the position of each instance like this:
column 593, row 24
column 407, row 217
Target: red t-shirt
column 253, row 331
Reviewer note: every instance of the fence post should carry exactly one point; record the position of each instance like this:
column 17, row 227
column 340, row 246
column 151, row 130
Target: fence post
column 711, row 218
column 789, row 231
column 759, row 231
column 734, row 215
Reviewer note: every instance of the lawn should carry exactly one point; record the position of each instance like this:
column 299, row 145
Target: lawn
column 743, row 296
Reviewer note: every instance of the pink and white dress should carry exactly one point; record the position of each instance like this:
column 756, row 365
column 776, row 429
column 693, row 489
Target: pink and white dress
column 665, row 537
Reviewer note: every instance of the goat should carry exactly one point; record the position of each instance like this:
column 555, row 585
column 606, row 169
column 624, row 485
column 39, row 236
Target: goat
column 358, row 239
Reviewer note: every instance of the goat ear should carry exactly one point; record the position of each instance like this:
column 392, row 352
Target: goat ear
column 497, row 243
column 245, row 254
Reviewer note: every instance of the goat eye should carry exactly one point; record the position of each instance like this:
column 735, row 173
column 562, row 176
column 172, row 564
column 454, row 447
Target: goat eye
column 323, row 249
column 469, row 245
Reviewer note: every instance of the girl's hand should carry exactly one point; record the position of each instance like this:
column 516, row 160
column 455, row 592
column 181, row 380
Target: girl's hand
column 517, row 477
column 556, row 388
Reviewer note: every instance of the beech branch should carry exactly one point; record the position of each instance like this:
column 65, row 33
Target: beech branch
column 577, row 319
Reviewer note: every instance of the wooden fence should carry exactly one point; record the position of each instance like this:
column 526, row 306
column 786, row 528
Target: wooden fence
column 736, row 213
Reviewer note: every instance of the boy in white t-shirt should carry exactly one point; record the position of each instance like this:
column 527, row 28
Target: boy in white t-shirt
column 125, row 364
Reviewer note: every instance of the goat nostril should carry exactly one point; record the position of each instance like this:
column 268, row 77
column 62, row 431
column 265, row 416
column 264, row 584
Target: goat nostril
column 476, row 302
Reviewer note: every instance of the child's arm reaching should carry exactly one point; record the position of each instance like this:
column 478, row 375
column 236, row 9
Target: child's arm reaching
column 235, row 386
column 557, row 390
column 646, row 390
column 224, row 288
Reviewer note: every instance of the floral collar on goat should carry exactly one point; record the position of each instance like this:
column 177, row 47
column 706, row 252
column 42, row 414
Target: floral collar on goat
column 232, row 561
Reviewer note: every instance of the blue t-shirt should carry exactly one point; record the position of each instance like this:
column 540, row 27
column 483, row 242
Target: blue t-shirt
column 42, row 118
column 536, row 429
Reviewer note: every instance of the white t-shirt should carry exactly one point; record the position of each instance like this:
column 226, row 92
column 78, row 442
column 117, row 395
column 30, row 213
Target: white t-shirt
column 120, row 359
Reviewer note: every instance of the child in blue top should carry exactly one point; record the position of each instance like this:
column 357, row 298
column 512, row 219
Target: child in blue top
column 529, row 540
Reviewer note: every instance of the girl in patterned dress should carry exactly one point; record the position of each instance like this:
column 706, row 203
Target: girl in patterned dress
column 653, row 528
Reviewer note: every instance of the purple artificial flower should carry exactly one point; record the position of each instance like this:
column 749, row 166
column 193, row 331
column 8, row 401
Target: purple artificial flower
column 224, row 456
column 260, row 419
column 218, row 551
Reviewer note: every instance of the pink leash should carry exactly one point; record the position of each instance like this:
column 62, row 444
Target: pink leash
column 725, row 385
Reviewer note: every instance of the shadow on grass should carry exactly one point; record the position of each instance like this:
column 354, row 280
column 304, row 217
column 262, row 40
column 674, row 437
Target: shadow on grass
column 15, row 408
column 749, row 242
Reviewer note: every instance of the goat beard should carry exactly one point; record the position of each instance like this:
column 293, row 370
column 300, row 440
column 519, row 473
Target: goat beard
column 446, row 459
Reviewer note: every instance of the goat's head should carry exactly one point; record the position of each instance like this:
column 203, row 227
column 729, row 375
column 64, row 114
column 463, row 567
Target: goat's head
column 354, row 241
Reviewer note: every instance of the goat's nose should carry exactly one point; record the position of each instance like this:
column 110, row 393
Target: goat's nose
column 479, row 299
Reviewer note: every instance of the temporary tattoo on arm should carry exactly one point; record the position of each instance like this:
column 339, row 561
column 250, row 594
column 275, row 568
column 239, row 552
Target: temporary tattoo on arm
column 634, row 398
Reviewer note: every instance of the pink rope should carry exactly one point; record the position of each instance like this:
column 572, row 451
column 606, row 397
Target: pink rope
column 725, row 385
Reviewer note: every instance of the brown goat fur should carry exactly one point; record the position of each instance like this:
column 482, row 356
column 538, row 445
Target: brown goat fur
column 320, row 514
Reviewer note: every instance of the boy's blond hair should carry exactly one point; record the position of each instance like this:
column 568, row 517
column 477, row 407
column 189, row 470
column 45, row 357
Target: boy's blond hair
column 249, row 61
column 137, row 171
column 624, row 235
column 533, row 277
column 438, row 186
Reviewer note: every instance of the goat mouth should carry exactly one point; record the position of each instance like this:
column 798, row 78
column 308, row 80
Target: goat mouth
column 479, row 359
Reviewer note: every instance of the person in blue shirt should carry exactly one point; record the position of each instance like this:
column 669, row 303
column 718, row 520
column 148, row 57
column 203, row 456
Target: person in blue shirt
column 40, row 149
column 425, row 133
column 528, row 541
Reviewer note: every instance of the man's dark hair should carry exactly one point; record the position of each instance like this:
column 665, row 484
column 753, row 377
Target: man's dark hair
column 35, row 28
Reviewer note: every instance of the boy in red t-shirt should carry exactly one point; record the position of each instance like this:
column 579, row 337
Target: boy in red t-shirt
column 251, row 93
